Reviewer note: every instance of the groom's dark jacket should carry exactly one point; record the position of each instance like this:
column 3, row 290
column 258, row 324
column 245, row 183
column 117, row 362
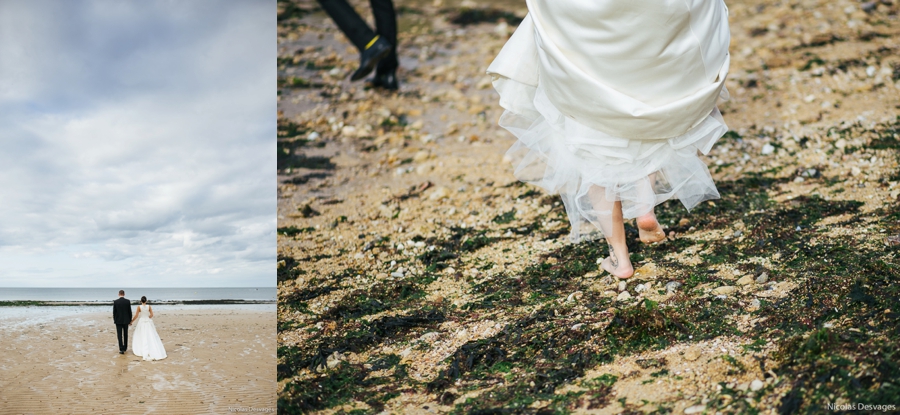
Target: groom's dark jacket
column 122, row 311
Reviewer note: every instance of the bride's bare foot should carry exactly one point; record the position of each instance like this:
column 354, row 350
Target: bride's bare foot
column 649, row 229
column 619, row 268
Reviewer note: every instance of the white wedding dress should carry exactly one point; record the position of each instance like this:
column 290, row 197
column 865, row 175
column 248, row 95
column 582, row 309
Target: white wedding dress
column 147, row 343
column 613, row 100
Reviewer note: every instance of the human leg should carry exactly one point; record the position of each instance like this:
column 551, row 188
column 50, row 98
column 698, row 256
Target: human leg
column 610, row 215
column 123, row 339
column 372, row 47
column 386, row 25
column 353, row 26
column 648, row 227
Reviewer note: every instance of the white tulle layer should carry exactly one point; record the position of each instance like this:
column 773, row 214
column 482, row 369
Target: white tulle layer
column 591, row 170
column 147, row 343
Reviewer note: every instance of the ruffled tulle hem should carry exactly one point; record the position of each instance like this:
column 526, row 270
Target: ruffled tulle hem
column 592, row 170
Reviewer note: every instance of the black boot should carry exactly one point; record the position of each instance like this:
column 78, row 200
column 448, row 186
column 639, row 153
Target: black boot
column 375, row 51
column 386, row 80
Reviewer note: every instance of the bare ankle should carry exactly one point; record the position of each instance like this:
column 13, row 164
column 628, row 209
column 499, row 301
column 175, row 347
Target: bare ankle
column 618, row 263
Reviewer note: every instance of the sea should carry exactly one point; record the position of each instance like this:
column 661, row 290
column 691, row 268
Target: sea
column 17, row 316
column 134, row 294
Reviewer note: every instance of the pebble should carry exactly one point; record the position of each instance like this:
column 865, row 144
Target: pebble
column 762, row 278
column 623, row 296
column 313, row 136
column 640, row 288
column 723, row 290
column 577, row 326
column 768, row 149
column 695, row 409
column 574, row 296
column 745, row 280
column 692, row 354
column 755, row 303
column 840, row 144
column 756, row 385
column 622, row 286
column 672, row 286
column 439, row 193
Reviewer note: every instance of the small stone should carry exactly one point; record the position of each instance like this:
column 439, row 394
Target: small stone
column 574, row 296
column 334, row 359
column 696, row 409
column 623, row 296
column 577, row 326
column 755, row 304
column 745, row 280
column 870, row 71
column 421, row 156
column 723, row 290
column 672, row 286
column 424, row 169
column 743, row 387
column 640, row 288
column 313, row 136
column 417, row 125
column 622, row 286
column 855, row 171
column 768, row 149
column 762, row 278
column 451, row 270
column 840, row 144
column 430, row 336
column 692, row 354
column 439, row 193
column 756, row 385
column 684, row 222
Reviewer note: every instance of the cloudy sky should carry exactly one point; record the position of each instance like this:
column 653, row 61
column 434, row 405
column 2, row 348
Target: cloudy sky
column 137, row 143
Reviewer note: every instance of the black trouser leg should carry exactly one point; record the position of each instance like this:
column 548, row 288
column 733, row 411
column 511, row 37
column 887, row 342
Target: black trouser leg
column 386, row 23
column 353, row 26
column 122, row 334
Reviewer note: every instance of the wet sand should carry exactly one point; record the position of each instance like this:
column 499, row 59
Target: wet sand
column 218, row 360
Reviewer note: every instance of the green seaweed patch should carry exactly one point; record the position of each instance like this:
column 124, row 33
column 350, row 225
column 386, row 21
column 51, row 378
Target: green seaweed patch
column 645, row 326
column 505, row 217
column 532, row 356
column 343, row 384
column 831, row 364
column 295, row 161
column 460, row 240
column 294, row 231
column 352, row 336
column 290, row 270
column 501, row 290
column 573, row 262
column 381, row 296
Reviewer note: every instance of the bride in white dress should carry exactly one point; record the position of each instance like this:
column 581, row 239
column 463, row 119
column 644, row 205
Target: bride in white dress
column 146, row 343
column 611, row 102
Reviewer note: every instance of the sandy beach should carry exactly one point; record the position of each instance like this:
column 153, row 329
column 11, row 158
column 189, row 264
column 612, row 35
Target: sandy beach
column 220, row 360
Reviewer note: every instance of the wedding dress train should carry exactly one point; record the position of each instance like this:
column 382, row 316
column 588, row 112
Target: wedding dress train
column 147, row 343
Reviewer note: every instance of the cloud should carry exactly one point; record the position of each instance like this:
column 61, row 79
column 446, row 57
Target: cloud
column 137, row 141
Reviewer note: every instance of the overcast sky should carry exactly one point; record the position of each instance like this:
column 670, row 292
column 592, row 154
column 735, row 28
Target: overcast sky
column 137, row 143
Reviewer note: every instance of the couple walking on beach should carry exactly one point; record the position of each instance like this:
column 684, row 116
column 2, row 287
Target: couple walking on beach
column 147, row 343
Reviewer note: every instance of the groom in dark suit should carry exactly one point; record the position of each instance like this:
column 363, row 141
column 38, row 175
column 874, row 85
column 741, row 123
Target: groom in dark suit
column 122, row 318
